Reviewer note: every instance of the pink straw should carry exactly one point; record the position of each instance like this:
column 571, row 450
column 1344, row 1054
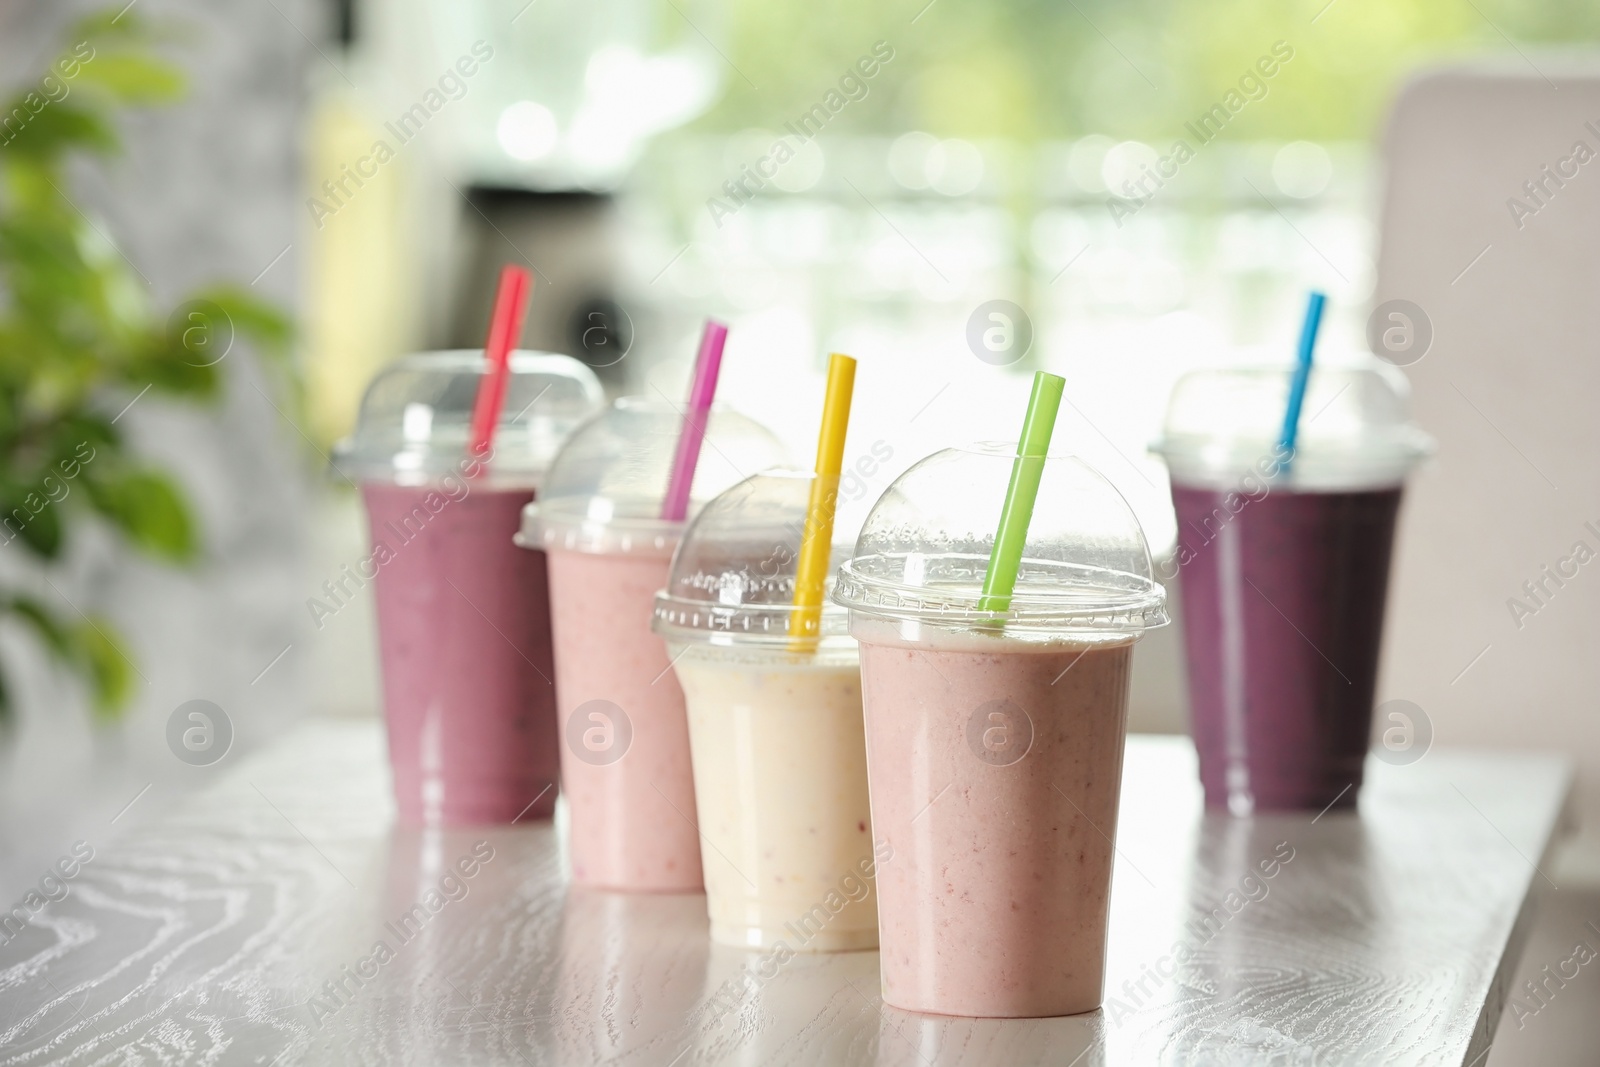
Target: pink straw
column 505, row 328
column 676, row 505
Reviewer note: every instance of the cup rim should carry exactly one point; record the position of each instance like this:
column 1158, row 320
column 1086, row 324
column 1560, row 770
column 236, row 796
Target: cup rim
column 1117, row 601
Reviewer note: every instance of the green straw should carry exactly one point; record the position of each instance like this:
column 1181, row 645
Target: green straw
column 1006, row 559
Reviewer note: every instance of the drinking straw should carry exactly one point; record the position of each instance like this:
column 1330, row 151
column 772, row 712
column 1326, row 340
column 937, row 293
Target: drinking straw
column 675, row 506
column 505, row 328
column 1302, row 376
column 1005, row 560
column 816, row 541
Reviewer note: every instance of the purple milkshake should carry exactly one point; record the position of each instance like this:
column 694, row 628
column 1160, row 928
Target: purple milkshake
column 463, row 613
column 1284, row 574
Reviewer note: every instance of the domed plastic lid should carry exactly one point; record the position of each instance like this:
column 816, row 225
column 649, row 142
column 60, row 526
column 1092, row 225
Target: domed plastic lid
column 732, row 579
column 604, row 490
column 1355, row 426
column 416, row 416
column 924, row 550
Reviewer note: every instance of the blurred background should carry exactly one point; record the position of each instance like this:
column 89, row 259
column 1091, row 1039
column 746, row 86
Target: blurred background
column 822, row 176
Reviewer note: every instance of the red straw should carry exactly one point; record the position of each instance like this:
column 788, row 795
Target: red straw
column 505, row 327
column 676, row 505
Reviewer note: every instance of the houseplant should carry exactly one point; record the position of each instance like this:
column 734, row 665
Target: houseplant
column 80, row 340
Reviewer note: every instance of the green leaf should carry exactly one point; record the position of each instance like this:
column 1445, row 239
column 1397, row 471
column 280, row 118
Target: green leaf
column 123, row 24
column 147, row 507
column 58, row 127
column 33, row 518
column 109, row 669
column 252, row 316
column 89, row 648
column 81, row 438
column 111, row 23
column 162, row 362
column 133, row 78
column 57, row 637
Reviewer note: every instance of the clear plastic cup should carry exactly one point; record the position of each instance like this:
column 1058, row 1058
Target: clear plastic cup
column 775, row 727
column 994, row 738
column 463, row 615
column 625, row 766
column 1284, row 573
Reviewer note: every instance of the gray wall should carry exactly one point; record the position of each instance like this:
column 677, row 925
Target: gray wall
column 206, row 191
column 1509, row 390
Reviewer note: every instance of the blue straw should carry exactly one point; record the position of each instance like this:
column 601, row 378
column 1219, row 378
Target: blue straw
column 1302, row 375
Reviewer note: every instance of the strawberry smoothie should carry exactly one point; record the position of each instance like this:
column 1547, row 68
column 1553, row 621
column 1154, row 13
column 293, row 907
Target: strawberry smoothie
column 463, row 613
column 995, row 726
column 464, row 638
column 995, row 902
column 625, row 764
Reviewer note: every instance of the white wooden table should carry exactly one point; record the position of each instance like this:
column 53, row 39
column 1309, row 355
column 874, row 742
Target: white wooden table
column 1388, row 938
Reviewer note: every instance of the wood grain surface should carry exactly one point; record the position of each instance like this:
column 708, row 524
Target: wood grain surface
column 222, row 935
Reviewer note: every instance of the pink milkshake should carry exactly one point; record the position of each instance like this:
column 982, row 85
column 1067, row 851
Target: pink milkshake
column 995, row 903
column 466, row 657
column 625, row 763
column 463, row 614
column 994, row 738
column 611, row 661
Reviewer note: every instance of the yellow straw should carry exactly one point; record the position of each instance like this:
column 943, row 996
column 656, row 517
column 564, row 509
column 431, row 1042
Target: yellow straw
column 811, row 573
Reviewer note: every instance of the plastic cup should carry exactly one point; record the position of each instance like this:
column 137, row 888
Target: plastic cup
column 463, row 615
column 625, row 767
column 1284, row 574
column 775, row 728
column 994, row 738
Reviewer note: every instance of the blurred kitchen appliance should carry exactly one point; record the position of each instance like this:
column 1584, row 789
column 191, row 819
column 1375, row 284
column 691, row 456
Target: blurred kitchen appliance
column 571, row 241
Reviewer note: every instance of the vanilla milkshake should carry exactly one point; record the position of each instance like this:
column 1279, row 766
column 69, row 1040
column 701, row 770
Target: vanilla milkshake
column 781, row 781
column 775, row 725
